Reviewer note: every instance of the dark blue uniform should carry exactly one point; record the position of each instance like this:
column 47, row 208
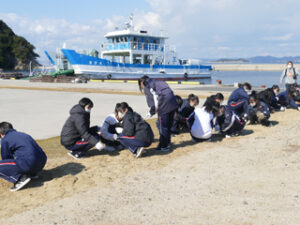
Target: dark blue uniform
column 287, row 101
column 238, row 101
column 161, row 99
column 20, row 155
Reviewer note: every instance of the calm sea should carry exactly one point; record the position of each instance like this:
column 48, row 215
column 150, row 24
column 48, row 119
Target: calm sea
column 256, row 78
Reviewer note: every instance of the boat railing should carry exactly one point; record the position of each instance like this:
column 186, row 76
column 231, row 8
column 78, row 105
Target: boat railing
column 134, row 46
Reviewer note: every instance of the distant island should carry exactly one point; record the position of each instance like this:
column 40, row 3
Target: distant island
column 230, row 61
column 258, row 60
column 15, row 51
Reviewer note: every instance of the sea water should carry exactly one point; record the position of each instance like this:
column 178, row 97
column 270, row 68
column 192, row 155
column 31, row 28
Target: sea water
column 255, row 78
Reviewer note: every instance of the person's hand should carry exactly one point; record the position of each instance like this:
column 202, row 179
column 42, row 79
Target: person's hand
column 277, row 98
column 115, row 137
column 282, row 108
column 148, row 116
column 99, row 146
column 298, row 108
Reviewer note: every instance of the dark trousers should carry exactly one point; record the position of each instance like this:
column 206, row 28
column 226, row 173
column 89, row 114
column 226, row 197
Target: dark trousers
column 237, row 126
column 289, row 86
column 11, row 172
column 132, row 143
column 80, row 147
column 239, row 107
column 165, row 123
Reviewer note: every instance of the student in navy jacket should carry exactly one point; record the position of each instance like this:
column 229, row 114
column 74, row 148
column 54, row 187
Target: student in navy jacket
column 286, row 99
column 22, row 157
column 136, row 133
column 230, row 123
column 161, row 100
column 239, row 100
column 77, row 136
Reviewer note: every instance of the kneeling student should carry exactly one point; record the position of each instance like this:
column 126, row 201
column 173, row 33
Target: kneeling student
column 286, row 99
column 77, row 136
column 136, row 133
column 259, row 111
column 201, row 121
column 230, row 123
column 109, row 135
column 22, row 157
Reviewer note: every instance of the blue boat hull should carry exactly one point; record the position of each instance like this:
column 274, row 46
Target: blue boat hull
column 104, row 69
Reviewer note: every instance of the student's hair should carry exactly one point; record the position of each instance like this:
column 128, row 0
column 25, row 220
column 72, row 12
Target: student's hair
column 219, row 96
column 248, row 85
column 120, row 107
column 143, row 81
column 290, row 62
column 292, row 91
column 86, row 101
column 193, row 97
column 275, row 87
column 211, row 105
column 5, row 127
column 178, row 100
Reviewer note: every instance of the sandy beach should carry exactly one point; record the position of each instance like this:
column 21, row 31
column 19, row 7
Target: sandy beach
column 250, row 179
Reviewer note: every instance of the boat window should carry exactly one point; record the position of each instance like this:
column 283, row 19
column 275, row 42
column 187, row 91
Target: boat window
column 134, row 39
column 125, row 39
column 117, row 40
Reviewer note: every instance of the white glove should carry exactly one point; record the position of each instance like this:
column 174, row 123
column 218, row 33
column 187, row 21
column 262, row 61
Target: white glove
column 99, row 146
column 282, row 108
column 298, row 108
column 119, row 130
column 277, row 99
column 115, row 137
column 148, row 116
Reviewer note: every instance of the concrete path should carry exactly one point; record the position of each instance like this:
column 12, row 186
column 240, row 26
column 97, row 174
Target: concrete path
column 43, row 113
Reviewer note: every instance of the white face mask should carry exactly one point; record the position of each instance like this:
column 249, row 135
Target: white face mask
column 289, row 66
column 253, row 104
column 88, row 110
column 121, row 115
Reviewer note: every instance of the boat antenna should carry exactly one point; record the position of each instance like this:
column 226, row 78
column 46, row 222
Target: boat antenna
column 131, row 21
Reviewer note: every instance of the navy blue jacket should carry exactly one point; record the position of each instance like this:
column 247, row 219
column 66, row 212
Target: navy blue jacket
column 186, row 110
column 239, row 95
column 135, row 126
column 284, row 99
column 160, row 97
column 21, row 147
column 229, row 120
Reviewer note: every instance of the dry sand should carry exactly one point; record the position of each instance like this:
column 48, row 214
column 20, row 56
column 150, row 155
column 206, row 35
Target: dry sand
column 251, row 179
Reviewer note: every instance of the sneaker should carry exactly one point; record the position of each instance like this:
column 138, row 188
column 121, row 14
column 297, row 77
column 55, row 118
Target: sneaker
column 165, row 149
column 110, row 148
column 228, row 136
column 139, row 152
column 75, row 155
column 20, row 183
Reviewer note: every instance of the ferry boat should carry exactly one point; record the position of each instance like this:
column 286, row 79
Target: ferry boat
column 130, row 54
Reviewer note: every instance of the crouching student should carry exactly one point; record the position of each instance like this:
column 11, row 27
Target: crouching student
column 109, row 135
column 179, row 121
column 201, row 121
column 259, row 111
column 286, row 99
column 161, row 100
column 77, row 136
column 186, row 108
column 239, row 100
column 219, row 97
column 22, row 157
column 136, row 133
column 230, row 124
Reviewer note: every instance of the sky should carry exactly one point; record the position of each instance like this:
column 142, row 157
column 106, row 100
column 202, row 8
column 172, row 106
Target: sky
column 198, row 28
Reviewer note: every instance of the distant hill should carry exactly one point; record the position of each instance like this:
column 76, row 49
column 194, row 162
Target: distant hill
column 15, row 51
column 272, row 59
